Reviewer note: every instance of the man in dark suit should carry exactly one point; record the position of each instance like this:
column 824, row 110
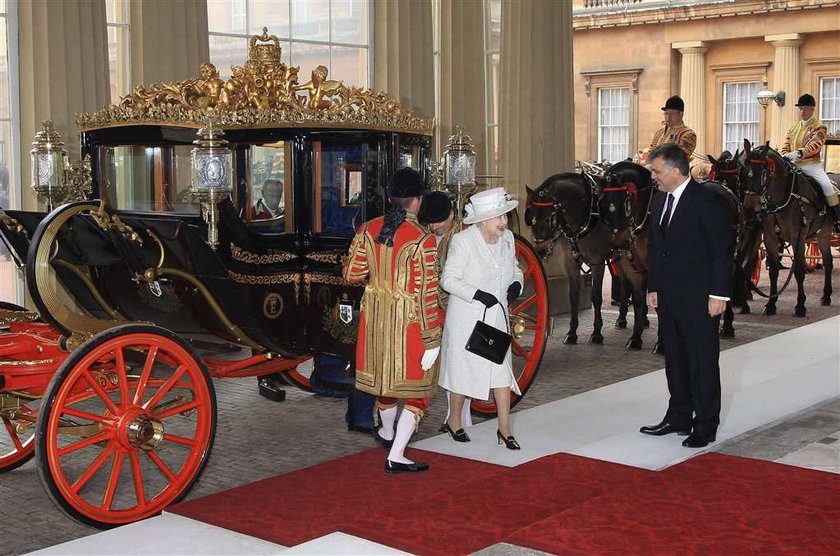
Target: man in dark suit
column 689, row 283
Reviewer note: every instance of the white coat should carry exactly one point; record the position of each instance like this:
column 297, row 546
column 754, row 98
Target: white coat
column 470, row 266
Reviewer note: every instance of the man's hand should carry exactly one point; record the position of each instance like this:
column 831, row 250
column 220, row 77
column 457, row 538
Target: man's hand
column 653, row 301
column 429, row 357
column 793, row 156
column 716, row 307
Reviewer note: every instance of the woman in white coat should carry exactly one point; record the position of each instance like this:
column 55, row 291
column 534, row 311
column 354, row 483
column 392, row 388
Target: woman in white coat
column 481, row 274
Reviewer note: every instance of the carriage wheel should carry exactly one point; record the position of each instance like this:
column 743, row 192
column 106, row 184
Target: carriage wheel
column 17, row 430
column 756, row 273
column 126, row 426
column 812, row 256
column 529, row 324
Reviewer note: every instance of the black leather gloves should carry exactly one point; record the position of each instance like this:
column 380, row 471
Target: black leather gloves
column 487, row 298
column 513, row 291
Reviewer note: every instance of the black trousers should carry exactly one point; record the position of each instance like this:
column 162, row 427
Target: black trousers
column 692, row 350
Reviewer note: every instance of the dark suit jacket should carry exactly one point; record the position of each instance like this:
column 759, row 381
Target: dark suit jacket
column 694, row 258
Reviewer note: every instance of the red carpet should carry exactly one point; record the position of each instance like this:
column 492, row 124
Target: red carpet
column 559, row 504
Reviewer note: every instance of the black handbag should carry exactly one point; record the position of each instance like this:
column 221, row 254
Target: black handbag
column 488, row 341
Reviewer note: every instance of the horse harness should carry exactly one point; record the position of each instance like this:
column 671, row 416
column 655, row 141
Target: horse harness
column 629, row 249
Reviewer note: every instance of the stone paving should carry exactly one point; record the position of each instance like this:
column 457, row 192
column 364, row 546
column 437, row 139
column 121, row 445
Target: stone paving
column 257, row 438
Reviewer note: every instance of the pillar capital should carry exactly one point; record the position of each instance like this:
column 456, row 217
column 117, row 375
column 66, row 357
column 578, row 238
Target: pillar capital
column 787, row 39
column 691, row 47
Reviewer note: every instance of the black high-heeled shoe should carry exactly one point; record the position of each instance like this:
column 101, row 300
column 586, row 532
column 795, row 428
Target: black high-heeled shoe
column 458, row 436
column 510, row 441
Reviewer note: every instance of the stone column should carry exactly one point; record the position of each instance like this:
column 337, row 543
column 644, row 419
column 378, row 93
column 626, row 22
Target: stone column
column 693, row 88
column 785, row 78
column 536, row 111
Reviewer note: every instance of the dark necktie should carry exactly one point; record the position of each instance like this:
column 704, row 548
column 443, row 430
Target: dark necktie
column 666, row 218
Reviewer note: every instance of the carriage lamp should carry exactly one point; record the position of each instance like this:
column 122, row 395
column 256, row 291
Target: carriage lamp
column 54, row 178
column 458, row 163
column 765, row 96
column 212, row 177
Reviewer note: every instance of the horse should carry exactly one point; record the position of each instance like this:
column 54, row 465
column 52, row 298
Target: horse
column 567, row 206
column 793, row 210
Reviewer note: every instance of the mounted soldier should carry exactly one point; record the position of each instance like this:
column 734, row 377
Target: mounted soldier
column 803, row 144
column 674, row 129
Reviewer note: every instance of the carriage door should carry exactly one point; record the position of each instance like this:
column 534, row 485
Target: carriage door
column 346, row 177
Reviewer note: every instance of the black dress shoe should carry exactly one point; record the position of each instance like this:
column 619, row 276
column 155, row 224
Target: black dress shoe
column 395, row 467
column 382, row 442
column 509, row 441
column 697, row 441
column 664, row 428
column 458, row 436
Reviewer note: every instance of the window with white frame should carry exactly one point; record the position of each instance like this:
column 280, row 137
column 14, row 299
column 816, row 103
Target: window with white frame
column 10, row 187
column 613, row 124
column 830, row 103
column 740, row 114
column 331, row 33
column 119, row 61
column 493, row 45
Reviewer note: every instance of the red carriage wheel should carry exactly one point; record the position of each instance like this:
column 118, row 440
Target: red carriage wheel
column 529, row 325
column 126, row 426
column 756, row 272
column 812, row 256
column 17, row 424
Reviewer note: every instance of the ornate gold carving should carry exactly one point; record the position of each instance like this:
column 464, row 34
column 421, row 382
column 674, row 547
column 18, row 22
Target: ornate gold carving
column 273, row 256
column 262, row 93
column 13, row 224
column 8, row 316
column 273, row 305
column 267, row 280
column 320, row 278
column 331, row 257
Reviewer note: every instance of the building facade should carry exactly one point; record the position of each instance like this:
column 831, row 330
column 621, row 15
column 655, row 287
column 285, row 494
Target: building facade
column 631, row 55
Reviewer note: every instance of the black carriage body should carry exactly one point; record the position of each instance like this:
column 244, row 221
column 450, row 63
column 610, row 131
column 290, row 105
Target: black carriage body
column 277, row 279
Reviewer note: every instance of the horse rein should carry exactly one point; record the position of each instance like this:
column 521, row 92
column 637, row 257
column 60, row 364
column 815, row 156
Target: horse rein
column 769, row 167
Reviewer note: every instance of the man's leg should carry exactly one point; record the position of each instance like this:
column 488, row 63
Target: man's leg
column 387, row 412
column 703, row 356
column 412, row 412
column 676, row 370
column 815, row 172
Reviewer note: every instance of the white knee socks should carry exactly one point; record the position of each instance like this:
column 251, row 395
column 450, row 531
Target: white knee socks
column 386, row 419
column 405, row 428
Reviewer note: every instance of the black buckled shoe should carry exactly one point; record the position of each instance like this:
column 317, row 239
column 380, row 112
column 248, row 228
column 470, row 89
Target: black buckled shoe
column 458, row 436
column 697, row 441
column 663, row 428
column 509, row 441
column 381, row 441
column 395, row 467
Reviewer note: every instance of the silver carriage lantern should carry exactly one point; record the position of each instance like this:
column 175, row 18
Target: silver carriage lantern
column 212, row 177
column 47, row 162
column 458, row 167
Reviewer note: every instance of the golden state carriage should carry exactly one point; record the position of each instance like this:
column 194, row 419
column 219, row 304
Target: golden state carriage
column 104, row 384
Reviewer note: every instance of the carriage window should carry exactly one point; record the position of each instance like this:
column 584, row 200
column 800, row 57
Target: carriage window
column 270, row 187
column 129, row 176
column 340, row 174
column 178, row 194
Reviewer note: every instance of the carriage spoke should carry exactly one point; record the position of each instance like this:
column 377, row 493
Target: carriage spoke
column 179, row 440
column 162, row 466
column 70, row 448
column 122, row 378
column 176, row 410
column 85, row 415
column 144, row 376
column 525, row 304
column 13, row 434
column 519, row 350
column 94, row 467
column 96, row 387
column 137, row 478
column 113, row 480
column 167, row 386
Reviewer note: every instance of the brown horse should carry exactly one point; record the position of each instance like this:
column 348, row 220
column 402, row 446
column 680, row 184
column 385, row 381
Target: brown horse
column 793, row 210
column 567, row 206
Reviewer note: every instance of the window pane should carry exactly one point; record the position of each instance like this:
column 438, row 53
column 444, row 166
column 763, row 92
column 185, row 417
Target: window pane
column 226, row 16
column 350, row 65
column 116, row 11
column 118, row 62
column 740, row 114
column 269, row 187
column 226, row 52
column 273, row 14
column 830, row 103
column 6, row 164
column 4, row 72
column 350, row 21
column 337, row 205
column 495, row 25
column 308, row 56
column 613, row 124
column 179, row 197
column 494, row 88
column 311, row 20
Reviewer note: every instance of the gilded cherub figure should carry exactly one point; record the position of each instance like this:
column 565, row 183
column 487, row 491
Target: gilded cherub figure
column 209, row 87
column 319, row 88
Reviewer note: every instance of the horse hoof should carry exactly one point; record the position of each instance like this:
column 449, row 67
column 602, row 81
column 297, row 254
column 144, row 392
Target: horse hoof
column 570, row 339
column 634, row 343
column 769, row 311
column 745, row 310
column 724, row 333
column 658, row 349
column 799, row 312
column 621, row 323
column 596, row 339
column 825, row 301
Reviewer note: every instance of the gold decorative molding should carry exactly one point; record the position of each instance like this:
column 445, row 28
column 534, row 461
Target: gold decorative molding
column 262, row 93
column 268, row 280
column 272, row 257
column 330, row 257
column 321, row 278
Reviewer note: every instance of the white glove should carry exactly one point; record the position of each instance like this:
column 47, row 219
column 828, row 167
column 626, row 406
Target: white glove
column 793, row 156
column 429, row 357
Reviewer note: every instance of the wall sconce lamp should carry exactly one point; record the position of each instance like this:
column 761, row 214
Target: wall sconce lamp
column 765, row 95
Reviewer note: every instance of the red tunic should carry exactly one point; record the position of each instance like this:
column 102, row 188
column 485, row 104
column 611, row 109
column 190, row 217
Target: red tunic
column 400, row 315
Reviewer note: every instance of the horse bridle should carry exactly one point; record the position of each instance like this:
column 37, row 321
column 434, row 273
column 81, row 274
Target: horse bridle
column 560, row 227
column 769, row 169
